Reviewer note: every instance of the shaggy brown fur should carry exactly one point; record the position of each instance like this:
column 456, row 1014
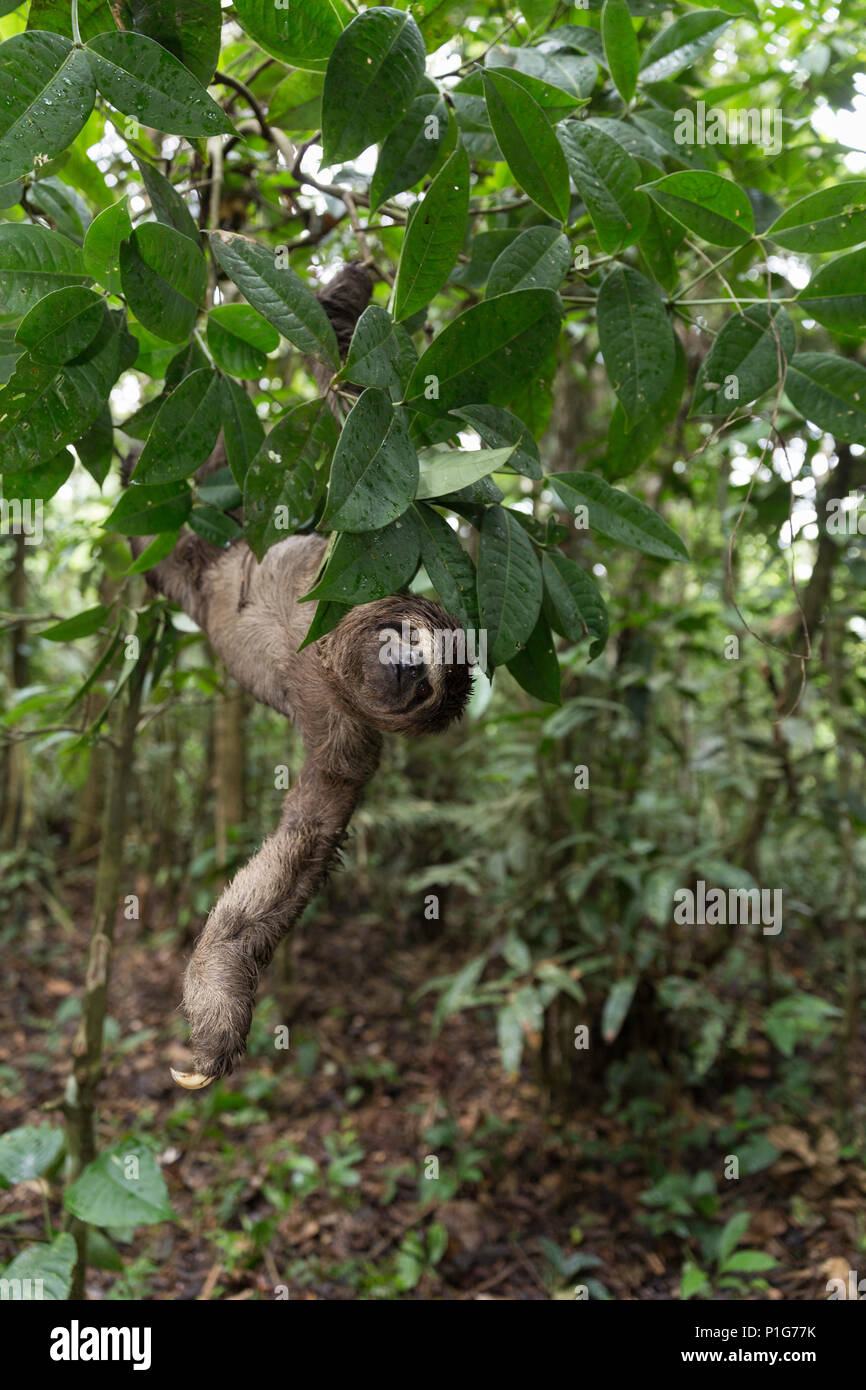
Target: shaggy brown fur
column 342, row 698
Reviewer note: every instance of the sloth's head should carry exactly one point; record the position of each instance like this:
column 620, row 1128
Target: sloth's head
column 401, row 664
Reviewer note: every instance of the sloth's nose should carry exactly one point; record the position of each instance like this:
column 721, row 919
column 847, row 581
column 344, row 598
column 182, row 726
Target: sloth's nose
column 407, row 673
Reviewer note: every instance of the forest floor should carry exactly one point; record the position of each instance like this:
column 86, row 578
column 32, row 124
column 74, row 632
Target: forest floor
column 303, row 1174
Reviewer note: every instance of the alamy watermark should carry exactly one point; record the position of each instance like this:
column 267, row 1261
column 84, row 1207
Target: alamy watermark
column 22, row 518
column 715, row 125
column 738, row 906
column 412, row 646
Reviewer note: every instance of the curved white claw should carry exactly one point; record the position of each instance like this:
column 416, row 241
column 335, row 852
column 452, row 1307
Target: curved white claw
column 190, row 1080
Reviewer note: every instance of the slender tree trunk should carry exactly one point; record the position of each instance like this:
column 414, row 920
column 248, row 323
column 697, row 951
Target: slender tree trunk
column 16, row 814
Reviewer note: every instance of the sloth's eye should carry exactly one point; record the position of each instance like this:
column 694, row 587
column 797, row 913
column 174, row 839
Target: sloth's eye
column 423, row 689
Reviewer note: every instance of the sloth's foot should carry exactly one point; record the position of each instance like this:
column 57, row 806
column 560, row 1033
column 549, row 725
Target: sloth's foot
column 218, row 997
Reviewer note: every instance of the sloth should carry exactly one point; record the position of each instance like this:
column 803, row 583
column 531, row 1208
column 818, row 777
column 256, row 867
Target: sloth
column 344, row 692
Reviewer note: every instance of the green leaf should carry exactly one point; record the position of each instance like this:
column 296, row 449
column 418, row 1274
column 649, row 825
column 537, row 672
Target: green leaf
column 411, row 148
column 62, row 324
column 748, row 1262
column 41, row 481
column 51, row 1265
column 94, row 16
column 537, row 259
column 243, row 431
column 620, row 47
column 82, row 625
column 46, row 95
column 375, row 470
column 33, row 262
column 836, row 294
column 296, row 102
column 45, row 407
column 536, row 667
column 554, row 101
column 370, row 565
column 575, row 75
column 122, row 1187
column 302, row 34
column 628, row 445
column 381, row 353
column 159, row 548
column 829, row 391
column 607, row 180
column 28, row 1152
column 184, row 432
column 717, row 209
column 828, row 220
column 240, row 339
column 499, row 428
column 143, row 510
column 681, row 43
column 487, row 353
column 733, row 1230
column 278, row 293
column 433, row 237
column 168, row 205
column 442, row 471
column 573, row 604
column 616, row 1007
column 693, row 1281
column 102, row 245
column 326, row 616
column 509, row 584
column 752, row 348
column 213, row 525
column 637, row 341
column 62, row 205
column 289, row 472
column 613, row 513
column 528, row 142
column 191, row 30
column 141, row 78
column 448, row 566
column 219, row 489
column 164, row 277
column 371, row 78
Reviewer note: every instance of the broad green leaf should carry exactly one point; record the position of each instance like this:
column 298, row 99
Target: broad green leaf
column 145, row 510
column 537, row 259
column 717, row 209
column 168, row 205
column 536, row 666
column 302, row 33
column 286, row 480
column 371, row 78
column 831, row 392
column 62, row 324
column 746, row 359
column 213, row 525
column 620, row 47
column 681, row 43
column 433, row 237
column 41, row 480
column 219, row 489
column 528, row 142
column 637, row 341
column 573, row 603
column 448, row 470
column 240, row 339
column 836, row 294
column 191, row 30
column 62, row 205
column 159, row 548
column 658, row 244
column 450, row 569
column 44, row 1267
column 375, row 470
column 184, row 432
column 95, row 447
column 243, row 431
column 141, row 78
column 554, row 101
column 82, row 625
column 164, row 277
column 620, row 517
column 94, row 16
column 574, row 73
column 278, row 293
column 410, row 149
column 487, row 353
column 828, row 220
column 28, row 1152
column 296, row 103
column 45, row 407
column 607, row 180
column 33, row 262
column 46, row 95
column 748, row 1262
column 509, row 585
column 499, row 428
column 102, row 243
column 123, row 1187
column 617, row 1005
column 381, row 353
column 628, row 445
column 372, row 564
column 326, row 616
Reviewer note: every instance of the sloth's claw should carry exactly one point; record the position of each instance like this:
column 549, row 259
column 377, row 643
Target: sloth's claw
column 191, row 1080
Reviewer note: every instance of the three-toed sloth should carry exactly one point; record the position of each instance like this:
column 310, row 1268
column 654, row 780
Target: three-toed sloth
column 342, row 696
